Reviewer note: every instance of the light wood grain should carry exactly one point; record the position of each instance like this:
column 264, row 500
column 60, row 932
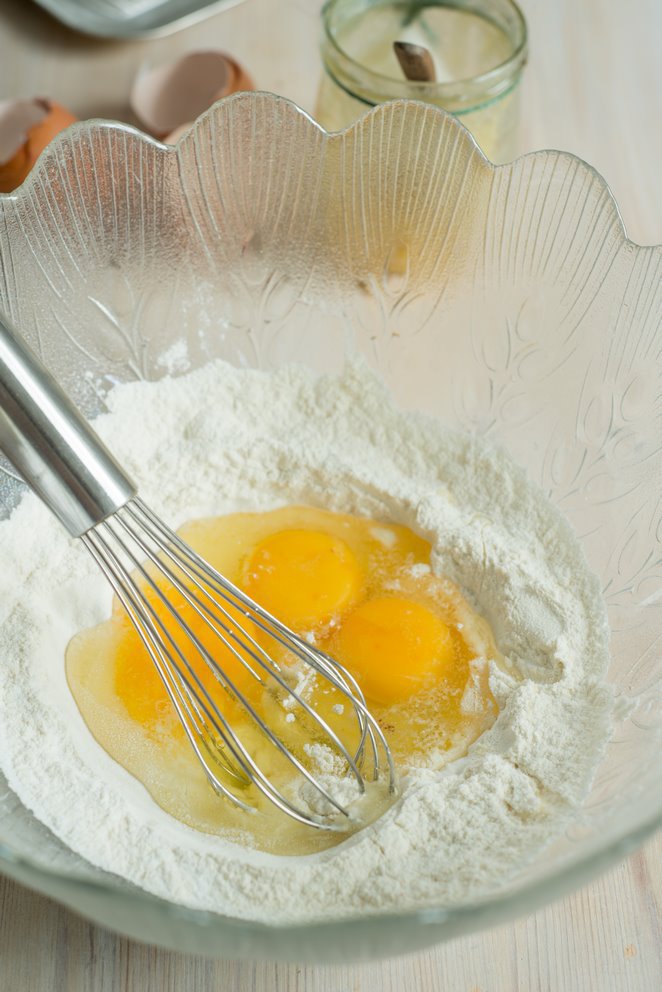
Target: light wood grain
column 594, row 87
column 605, row 938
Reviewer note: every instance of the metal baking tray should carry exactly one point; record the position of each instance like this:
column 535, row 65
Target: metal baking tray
column 131, row 18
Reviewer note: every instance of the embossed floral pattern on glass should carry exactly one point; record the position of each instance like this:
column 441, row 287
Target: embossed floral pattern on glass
column 507, row 301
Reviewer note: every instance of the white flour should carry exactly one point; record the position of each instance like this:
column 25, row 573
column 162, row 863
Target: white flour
column 223, row 439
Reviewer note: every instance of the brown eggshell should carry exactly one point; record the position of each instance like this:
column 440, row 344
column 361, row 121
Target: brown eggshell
column 26, row 127
column 174, row 136
column 166, row 99
column 240, row 80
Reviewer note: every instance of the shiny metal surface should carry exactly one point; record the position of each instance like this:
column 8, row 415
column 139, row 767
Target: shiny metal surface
column 51, row 446
column 120, row 546
column 65, row 463
column 132, row 18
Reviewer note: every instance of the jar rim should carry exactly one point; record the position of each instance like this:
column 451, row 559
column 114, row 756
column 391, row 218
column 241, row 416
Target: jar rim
column 483, row 86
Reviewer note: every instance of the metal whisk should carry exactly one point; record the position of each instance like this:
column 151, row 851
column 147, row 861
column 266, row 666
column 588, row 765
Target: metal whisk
column 65, row 463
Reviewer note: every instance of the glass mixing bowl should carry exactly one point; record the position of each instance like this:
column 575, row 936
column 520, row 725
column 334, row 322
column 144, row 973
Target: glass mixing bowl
column 506, row 301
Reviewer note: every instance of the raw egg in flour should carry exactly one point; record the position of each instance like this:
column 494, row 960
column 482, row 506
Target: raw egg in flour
column 363, row 592
column 394, row 646
column 304, row 577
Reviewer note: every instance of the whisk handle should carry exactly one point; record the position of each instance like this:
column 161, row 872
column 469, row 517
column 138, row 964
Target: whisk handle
column 51, row 445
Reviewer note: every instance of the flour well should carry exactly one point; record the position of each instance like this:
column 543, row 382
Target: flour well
column 222, row 439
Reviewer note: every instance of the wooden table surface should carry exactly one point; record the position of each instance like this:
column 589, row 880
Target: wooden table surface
column 594, row 87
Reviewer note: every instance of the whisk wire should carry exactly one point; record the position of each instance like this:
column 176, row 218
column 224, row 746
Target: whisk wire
column 292, row 642
column 220, row 725
column 147, row 629
column 150, row 638
column 252, row 612
column 329, row 667
column 185, row 699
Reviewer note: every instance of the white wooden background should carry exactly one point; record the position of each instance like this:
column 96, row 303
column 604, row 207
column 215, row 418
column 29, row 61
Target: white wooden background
column 593, row 87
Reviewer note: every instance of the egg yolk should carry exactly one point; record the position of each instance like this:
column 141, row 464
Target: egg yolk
column 137, row 680
column 303, row 577
column 393, row 647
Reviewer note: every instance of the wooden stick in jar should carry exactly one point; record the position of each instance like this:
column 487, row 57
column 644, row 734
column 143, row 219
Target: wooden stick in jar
column 415, row 61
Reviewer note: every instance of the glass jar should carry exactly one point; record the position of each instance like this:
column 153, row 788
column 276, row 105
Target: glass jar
column 479, row 48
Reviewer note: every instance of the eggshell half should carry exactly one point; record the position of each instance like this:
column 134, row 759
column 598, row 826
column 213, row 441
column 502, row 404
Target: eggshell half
column 171, row 96
column 26, row 127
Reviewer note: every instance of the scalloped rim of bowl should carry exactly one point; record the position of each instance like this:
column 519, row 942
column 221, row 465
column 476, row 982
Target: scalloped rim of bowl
column 442, row 922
